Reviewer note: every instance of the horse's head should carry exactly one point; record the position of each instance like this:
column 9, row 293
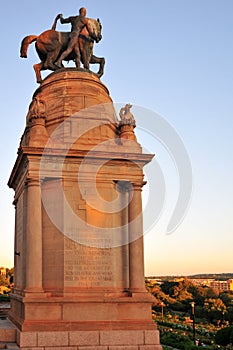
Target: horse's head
column 96, row 28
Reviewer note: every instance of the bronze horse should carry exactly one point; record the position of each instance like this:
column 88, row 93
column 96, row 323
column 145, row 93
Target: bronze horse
column 51, row 43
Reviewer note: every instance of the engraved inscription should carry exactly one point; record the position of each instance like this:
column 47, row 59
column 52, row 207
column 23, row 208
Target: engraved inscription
column 87, row 266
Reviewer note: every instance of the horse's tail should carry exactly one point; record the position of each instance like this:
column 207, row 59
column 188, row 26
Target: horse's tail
column 25, row 43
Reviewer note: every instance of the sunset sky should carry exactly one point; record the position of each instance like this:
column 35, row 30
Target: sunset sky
column 173, row 58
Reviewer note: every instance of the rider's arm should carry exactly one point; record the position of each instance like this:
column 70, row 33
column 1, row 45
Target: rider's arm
column 65, row 20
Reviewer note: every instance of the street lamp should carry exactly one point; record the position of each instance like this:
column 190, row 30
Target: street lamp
column 193, row 317
column 162, row 306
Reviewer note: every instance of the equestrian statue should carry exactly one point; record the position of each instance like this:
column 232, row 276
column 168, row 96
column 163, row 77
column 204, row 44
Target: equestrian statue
column 53, row 47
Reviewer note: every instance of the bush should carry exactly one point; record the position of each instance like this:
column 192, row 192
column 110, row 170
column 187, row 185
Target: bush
column 4, row 297
column 224, row 336
column 178, row 341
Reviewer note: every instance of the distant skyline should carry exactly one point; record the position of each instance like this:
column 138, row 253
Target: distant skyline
column 173, row 57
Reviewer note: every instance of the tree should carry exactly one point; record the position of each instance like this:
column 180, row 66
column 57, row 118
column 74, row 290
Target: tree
column 224, row 336
column 215, row 309
column 227, row 298
column 211, row 293
column 3, row 281
column 229, row 315
column 198, row 293
column 168, row 287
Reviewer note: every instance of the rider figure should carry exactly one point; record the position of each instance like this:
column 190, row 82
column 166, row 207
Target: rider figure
column 77, row 24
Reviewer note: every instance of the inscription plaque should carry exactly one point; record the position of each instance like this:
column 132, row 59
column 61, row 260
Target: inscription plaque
column 87, row 266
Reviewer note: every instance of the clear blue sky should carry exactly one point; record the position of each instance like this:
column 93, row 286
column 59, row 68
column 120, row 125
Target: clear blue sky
column 174, row 57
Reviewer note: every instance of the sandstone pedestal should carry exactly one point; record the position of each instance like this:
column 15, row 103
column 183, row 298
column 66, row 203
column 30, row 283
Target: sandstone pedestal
column 79, row 275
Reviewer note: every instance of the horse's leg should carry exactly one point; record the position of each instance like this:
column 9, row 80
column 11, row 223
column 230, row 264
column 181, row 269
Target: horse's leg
column 101, row 61
column 37, row 68
column 51, row 58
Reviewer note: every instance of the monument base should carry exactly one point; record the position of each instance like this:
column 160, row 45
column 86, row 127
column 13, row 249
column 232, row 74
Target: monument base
column 78, row 340
column 111, row 323
column 90, row 340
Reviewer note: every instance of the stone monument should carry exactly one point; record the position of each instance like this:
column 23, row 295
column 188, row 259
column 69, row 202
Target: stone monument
column 78, row 177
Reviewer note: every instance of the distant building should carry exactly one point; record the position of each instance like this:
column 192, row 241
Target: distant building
column 222, row 286
column 204, row 282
